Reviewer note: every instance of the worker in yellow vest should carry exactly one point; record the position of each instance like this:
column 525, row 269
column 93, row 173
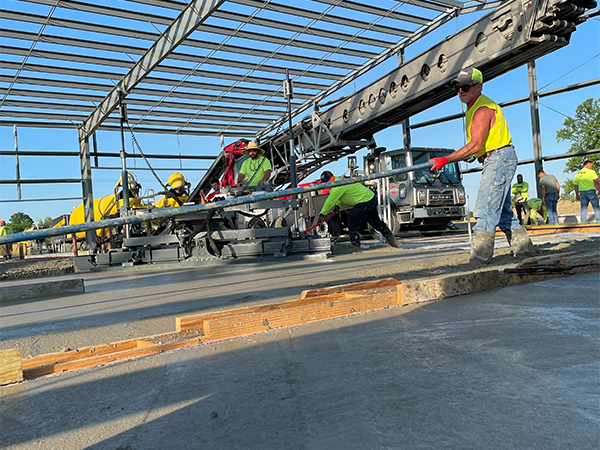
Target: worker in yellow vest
column 490, row 142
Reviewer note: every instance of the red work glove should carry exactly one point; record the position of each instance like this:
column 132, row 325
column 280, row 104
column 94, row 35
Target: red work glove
column 438, row 163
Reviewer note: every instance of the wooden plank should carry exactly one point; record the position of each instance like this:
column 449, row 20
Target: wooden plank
column 142, row 344
column 515, row 278
column 361, row 286
column 104, row 359
column 237, row 326
column 196, row 322
column 80, row 353
column 10, row 366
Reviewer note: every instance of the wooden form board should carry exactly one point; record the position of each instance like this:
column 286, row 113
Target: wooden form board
column 196, row 322
column 353, row 287
column 10, row 366
column 260, row 322
column 144, row 349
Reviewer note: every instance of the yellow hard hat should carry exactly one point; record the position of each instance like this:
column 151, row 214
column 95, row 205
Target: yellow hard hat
column 176, row 180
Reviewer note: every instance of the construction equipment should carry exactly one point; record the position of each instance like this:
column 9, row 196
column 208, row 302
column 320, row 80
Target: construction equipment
column 516, row 32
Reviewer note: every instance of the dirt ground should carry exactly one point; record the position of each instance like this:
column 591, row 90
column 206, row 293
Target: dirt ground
column 567, row 208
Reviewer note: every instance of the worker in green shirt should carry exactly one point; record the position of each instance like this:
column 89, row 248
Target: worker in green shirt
column 536, row 207
column 520, row 190
column 256, row 170
column 4, row 230
column 586, row 187
column 364, row 209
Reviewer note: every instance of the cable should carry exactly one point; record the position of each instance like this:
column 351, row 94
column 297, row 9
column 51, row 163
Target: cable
column 556, row 111
column 144, row 156
column 564, row 75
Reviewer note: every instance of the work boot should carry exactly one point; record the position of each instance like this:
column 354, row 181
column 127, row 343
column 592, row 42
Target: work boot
column 482, row 247
column 389, row 236
column 521, row 245
column 355, row 238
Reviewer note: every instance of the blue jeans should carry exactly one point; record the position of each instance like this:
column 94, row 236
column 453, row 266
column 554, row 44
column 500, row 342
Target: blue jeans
column 492, row 207
column 551, row 201
column 366, row 212
column 587, row 197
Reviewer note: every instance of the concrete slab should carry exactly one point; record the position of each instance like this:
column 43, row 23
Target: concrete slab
column 37, row 289
column 514, row 368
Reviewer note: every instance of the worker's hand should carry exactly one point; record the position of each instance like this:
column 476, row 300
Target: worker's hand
column 261, row 182
column 578, row 197
column 320, row 218
column 336, row 209
column 439, row 163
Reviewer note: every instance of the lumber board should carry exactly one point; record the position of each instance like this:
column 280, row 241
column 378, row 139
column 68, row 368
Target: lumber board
column 104, row 359
column 196, row 322
column 260, row 322
column 517, row 278
column 360, row 286
column 10, row 366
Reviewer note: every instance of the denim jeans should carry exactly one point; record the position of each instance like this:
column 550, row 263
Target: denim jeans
column 493, row 207
column 587, row 197
column 551, row 200
column 366, row 212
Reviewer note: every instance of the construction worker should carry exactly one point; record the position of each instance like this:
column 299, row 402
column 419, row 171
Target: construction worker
column 550, row 194
column 536, row 206
column 586, row 187
column 256, row 170
column 520, row 190
column 177, row 193
column 6, row 248
column 490, row 142
column 364, row 209
column 215, row 195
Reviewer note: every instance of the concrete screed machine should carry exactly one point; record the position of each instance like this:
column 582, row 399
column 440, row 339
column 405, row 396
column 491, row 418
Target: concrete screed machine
column 513, row 34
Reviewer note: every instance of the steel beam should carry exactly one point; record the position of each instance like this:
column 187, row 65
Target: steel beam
column 86, row 188
column 535, row 121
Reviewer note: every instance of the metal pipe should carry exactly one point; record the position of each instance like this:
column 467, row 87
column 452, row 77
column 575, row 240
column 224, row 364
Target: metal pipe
column 184, row 210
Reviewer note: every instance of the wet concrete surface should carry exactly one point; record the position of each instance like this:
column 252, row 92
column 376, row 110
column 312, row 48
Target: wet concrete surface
column 515, row 368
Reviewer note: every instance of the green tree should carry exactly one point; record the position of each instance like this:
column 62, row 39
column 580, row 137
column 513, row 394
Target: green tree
column 46, row 223
column 19, row 221
column 583, row 132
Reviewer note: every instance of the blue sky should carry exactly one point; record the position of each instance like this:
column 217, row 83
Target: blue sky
column 563, row 64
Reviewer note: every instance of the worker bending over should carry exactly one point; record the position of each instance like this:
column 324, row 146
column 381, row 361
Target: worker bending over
column 536, row 207
column 364, row 209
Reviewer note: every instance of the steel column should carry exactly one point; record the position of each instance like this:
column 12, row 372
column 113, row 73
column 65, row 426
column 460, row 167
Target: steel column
column 17, row 167
column 535, row 121
column 86, row 188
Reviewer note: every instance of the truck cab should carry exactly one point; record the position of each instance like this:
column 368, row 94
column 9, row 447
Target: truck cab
column 422, row 199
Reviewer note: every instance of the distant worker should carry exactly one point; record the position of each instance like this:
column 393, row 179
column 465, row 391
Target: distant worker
column 520, row 190
column 490, row 142
column 215, row 195
column 256, row 170
column 586, row 187
column 6, row 248
column 536, row 207
column 364, row 209
column 177, row 192
column 550, row 194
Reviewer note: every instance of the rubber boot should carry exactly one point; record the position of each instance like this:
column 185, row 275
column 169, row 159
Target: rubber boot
column 482, row 247
column 391, row 239
column 355, row 238
column 521, row 245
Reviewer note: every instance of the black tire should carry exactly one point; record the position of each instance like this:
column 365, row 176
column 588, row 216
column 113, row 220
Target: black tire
column 256, row 223
column 330, row 228
column 432, row 230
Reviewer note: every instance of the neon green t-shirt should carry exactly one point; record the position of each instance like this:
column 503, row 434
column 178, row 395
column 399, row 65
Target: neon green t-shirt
column 521, row 189
column 585, row 179
column 348, row 195
column 249, row 167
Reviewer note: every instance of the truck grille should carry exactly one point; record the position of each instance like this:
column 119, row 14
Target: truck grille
column 441, row 198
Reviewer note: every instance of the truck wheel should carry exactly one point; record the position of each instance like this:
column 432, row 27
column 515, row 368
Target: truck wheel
column 329, row 228
column 432, row 230
column 256, row 223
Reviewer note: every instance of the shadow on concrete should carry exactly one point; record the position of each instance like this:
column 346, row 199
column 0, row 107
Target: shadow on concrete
column 507, row 369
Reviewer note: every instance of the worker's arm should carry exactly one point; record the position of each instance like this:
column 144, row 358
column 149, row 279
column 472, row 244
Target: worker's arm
column 241, row 178
column 597, row 184
column 558, row 189
column 577, row 192
column 332, row 200
column 543, row 194
column 268, row 173
column 480, row 128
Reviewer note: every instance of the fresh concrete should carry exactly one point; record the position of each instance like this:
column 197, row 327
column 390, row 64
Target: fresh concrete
column 31, row 289
column 515, row 368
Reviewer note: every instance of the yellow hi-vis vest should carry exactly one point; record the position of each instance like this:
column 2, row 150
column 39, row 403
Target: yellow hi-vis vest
column 498, row 136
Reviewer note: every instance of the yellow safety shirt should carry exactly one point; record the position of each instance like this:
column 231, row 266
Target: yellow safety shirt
column 498, row 136
column 348, row 195
column 585, row 179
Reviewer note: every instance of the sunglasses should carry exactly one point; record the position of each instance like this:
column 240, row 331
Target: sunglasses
column 464, row 87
